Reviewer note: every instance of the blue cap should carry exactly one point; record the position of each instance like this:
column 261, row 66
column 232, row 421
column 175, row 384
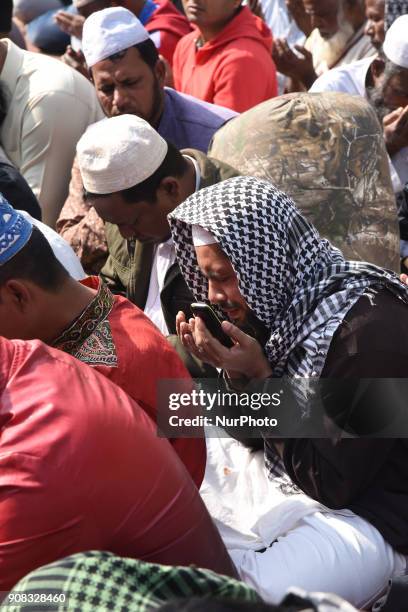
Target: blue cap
column 15, row 231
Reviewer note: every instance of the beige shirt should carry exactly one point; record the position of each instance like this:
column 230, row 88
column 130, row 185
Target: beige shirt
column 51, row 106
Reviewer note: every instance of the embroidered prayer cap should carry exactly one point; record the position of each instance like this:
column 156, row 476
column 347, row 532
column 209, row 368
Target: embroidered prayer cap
column 395, row 44
column 15, row 231
column 118, row 153
column 110, row 31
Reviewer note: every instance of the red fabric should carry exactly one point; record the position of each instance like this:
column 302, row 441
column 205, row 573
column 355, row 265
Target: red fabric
column 145, row 357
column 172, row 26
column 235, row 69
column 81, row 469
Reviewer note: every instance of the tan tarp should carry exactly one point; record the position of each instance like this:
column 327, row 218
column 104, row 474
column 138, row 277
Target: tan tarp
column 327, row 152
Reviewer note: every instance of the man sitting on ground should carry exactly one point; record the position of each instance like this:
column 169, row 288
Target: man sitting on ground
column 340, row 523
column 39, row 299
column 83, row 469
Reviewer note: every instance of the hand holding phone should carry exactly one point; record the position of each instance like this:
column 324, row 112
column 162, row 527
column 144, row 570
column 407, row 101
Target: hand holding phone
column 212, row 323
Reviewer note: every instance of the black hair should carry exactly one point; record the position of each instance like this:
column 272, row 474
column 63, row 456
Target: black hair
column 6, row 11
column 37, row 263
column 174, row 164
column 4, row 101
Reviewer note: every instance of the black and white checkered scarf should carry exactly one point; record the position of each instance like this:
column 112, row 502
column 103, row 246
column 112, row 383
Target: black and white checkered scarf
column 393, row 10
column 295, row 282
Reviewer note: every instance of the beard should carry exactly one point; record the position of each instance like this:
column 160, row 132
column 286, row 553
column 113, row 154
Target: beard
column 327, row 51
column 376, row 100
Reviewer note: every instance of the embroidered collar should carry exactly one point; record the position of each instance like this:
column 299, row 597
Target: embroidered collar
column 91, row 325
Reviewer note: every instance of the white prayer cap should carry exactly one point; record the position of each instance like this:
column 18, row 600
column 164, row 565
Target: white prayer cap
column 81, row 3
column 110, row 31
column 118, row 153
column 201, row 236
column 395, row 45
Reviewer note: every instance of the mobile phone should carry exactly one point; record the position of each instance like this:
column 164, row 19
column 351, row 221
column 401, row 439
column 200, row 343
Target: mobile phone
column 212, row 322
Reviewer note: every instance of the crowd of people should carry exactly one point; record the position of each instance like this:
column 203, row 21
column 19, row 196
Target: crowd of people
column 158, row 158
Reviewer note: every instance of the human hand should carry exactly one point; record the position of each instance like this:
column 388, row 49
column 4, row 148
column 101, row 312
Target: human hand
column 290, row 64
column 301, row 18
column 70, row 24
column 395, row 127
column 76, row 60
column 404, row 277
column 245, row 358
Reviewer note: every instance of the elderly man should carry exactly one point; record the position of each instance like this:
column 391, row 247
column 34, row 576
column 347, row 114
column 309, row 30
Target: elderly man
column 233, row 48
column 39, row 299
column 165, row 24
column 129, row 78
column 384, row 82
column 134, row 180
column 337, row 39
column 36, row 135
column 339, row 519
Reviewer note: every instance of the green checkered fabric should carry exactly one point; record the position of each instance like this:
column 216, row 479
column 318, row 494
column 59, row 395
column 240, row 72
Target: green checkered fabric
column 102, row 581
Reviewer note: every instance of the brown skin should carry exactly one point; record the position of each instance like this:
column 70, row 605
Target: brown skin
column 73, row 24
column 129, row 86
column 246, row 358
column 375, row 22
column 302, row 20
column 28, row 312
column 323, row 15
column 210, row 16
column 394, row 93
column 147, row 221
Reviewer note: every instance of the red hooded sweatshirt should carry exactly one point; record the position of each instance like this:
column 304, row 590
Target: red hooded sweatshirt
column 170, row 24
column 235, row 69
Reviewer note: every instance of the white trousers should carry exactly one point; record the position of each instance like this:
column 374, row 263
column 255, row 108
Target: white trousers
column 330, row 552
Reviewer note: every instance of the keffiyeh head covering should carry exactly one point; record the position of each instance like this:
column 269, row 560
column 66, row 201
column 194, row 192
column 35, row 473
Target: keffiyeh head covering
column 15, row 231
column 393, row 10
column 295, row 282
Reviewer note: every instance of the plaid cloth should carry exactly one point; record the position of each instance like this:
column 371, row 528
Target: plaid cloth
column 102, row 581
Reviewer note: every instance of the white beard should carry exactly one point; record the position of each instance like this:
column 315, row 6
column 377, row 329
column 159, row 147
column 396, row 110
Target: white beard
column 327, row 51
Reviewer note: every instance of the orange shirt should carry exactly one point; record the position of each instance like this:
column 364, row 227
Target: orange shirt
column 235, row 69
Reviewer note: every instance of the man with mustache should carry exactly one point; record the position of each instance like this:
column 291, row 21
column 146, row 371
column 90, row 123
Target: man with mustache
column 129, row 76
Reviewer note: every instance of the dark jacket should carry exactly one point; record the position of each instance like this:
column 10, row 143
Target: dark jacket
column 129, row 265
column 367, row 475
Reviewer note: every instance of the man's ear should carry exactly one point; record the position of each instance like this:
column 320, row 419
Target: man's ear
column 160, row 72
column 16, row 294
column 377, row 69
column 170, row 186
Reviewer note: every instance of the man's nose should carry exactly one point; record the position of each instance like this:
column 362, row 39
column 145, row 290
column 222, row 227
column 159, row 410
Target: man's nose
column 120, row 100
